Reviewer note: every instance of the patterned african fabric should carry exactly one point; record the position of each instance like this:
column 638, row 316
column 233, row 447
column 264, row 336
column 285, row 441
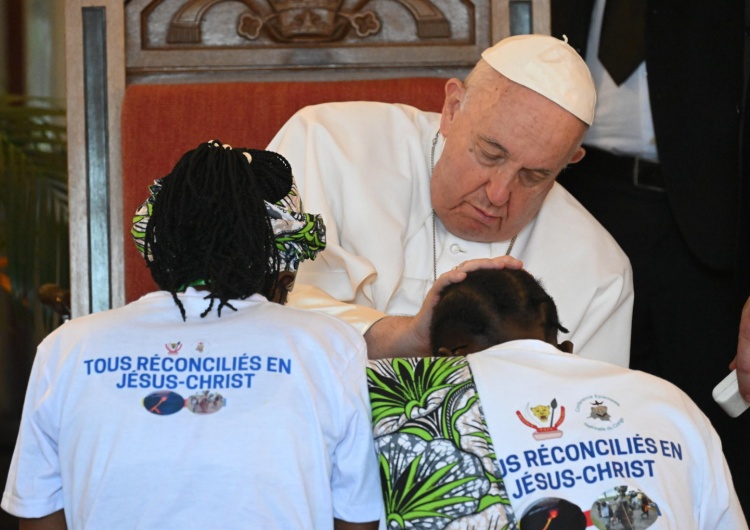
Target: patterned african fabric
column 437, row 463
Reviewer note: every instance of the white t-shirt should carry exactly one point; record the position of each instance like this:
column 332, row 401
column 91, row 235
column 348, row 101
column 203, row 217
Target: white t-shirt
column 576, row 429
column 257, row 419
column 366, row 168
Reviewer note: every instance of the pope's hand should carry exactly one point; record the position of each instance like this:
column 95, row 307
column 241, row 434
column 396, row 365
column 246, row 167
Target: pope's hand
column 410, row 336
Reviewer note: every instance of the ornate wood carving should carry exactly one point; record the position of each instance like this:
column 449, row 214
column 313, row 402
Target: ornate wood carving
column 295, row 21
column 287, row 21
column 231, row 38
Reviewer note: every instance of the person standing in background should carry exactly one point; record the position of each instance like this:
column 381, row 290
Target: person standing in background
column 662, row 174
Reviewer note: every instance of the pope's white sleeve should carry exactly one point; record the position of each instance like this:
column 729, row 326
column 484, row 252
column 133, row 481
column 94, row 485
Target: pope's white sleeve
column 604, row 331
column 313, row 298
column 337, row 277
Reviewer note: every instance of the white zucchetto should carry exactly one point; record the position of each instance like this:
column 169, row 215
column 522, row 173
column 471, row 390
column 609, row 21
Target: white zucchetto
column 548, row 66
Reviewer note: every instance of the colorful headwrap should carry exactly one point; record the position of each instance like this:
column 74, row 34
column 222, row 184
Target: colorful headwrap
column 299, row 235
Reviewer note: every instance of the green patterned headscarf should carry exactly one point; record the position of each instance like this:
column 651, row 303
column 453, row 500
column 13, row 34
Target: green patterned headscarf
column 299, row 235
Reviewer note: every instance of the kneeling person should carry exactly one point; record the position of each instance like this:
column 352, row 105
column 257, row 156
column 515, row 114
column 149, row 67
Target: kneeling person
column 573, row 435
column 203, row 405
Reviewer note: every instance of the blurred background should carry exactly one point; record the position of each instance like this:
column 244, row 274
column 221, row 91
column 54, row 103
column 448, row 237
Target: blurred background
column 33, row 195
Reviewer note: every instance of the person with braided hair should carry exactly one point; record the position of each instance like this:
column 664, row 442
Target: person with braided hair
column 207, row 404
column 492, row 307
column 567, row 429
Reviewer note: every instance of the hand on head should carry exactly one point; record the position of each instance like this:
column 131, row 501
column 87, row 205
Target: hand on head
column 491, row 307
column 398, row 336
column 423, row 319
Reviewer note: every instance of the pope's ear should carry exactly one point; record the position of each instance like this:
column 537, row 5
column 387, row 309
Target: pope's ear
column 577, row 156
column 454, row 95
column 565, row 346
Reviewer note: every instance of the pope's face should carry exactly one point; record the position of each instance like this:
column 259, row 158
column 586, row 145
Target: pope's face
column 504, row 147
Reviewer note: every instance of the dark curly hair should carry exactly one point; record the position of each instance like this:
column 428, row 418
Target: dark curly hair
column 491, row 301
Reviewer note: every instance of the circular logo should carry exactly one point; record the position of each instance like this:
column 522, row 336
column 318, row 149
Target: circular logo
column 163, row 403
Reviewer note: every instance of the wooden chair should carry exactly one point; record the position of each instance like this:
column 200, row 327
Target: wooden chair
column 149, row 79
column 161, row 122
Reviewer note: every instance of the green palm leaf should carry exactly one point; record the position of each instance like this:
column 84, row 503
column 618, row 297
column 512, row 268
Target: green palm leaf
column 33, row 205
column 408, row 386
column 425, row 481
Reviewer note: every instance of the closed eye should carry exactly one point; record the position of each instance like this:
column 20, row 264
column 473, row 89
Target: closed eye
column 490, row 152
column 489, row 159
column 532, row 178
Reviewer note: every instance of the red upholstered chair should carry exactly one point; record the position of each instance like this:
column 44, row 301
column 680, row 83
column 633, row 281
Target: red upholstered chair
column 161, row 122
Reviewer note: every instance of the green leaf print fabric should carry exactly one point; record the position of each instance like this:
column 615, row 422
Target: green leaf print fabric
column 437, row 463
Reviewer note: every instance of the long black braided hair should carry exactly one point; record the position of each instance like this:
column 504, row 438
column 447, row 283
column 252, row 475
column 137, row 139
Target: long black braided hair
column 489, row 301
column 209, row 224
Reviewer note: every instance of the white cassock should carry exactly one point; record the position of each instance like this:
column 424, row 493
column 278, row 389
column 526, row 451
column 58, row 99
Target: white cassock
column 366, row 168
